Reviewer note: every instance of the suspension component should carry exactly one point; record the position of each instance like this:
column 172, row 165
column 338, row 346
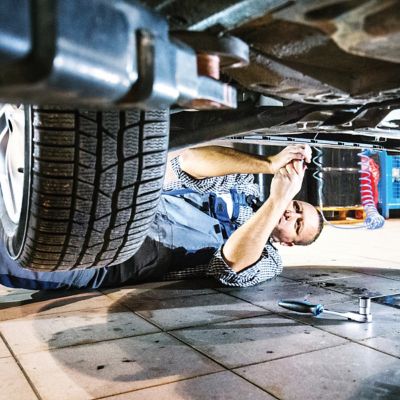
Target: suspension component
column 230, row 50
column 213, row 53
column 98, row 53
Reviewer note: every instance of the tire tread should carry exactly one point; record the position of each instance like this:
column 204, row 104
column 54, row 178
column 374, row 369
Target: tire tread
column 96, row 180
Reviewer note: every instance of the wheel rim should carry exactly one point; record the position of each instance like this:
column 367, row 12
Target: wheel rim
column 12, row 159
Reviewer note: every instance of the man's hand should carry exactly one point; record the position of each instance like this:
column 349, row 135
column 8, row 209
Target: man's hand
column 289, row 154
column 287, row 182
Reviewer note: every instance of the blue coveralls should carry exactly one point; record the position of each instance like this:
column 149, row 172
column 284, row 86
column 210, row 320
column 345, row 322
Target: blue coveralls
column 187, row 230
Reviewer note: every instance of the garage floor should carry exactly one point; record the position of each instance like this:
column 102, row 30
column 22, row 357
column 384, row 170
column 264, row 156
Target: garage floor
column 192, row 340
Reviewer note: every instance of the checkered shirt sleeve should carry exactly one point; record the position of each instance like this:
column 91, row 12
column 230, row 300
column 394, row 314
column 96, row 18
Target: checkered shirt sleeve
column 243, row 183
column 268, row 266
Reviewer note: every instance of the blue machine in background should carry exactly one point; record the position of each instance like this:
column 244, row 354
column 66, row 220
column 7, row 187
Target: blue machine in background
column 389, row 184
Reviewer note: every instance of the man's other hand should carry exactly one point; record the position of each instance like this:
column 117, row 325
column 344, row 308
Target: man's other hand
column 290, row 154
column 287, row 182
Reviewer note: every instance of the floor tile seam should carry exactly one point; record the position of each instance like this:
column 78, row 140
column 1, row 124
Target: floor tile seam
column 360, row 342
column 315, row 284
column 321, row 328
column 204, row 354
column 302, row 280
column 163, row 329
column 318, row 267
column 51, row 313
column 288, row 356
column 255, row 384
column 248, row 301
column 146, row 319
column 320, row 285
column 246, row 365
column 355, row 296
column 2, row 340
column 196, row 305
column 348, row 339
column 162, row 384
column 50, row 350
column 60, row 294
column 154, row 324
column 21, row 368
column 174, row 297
column 381, row 276
column 134, row 312
column 233, row 319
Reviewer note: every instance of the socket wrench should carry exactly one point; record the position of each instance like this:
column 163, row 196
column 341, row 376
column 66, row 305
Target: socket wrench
column 304, row 307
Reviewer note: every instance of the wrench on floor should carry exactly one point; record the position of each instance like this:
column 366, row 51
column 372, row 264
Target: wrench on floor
column 304, row 307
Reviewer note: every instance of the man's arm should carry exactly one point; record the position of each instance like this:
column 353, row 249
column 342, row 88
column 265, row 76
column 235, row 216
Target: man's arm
column 245, row 245
column 210, row 161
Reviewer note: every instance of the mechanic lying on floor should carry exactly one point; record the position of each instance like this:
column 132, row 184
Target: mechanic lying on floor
column 208, row 223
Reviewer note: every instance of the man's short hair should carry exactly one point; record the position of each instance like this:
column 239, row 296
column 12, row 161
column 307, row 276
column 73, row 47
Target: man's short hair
column 319, row 230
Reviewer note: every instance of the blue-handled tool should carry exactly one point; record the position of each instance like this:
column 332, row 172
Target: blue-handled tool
column 304, row 307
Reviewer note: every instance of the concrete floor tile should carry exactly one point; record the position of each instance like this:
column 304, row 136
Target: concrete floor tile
column 385, row 322
column 363, row 285
column 387, row 343
column 255, row 340
column 167, row 367
column 269, row 293
column 316, row 273
column 3, row 349
column 113, row 367
column 44, row 332
column 196, row 310
column 347, row 372
column 392, row 273
column 23, row 303
column 219, row 386
column 13, row 384
column 163, row 290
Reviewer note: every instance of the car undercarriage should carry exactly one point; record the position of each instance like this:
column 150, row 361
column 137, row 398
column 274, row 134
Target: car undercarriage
column 86, row 80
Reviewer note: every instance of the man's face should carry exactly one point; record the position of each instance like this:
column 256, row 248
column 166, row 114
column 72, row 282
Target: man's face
column 298, row 224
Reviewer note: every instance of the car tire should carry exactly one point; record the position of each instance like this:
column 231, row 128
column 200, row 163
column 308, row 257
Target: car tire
column 91, row 185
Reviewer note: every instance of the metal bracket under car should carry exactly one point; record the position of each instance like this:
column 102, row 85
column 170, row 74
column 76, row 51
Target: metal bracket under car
column 98, row 53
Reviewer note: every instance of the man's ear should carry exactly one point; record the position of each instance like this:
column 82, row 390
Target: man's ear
column 290, row 244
